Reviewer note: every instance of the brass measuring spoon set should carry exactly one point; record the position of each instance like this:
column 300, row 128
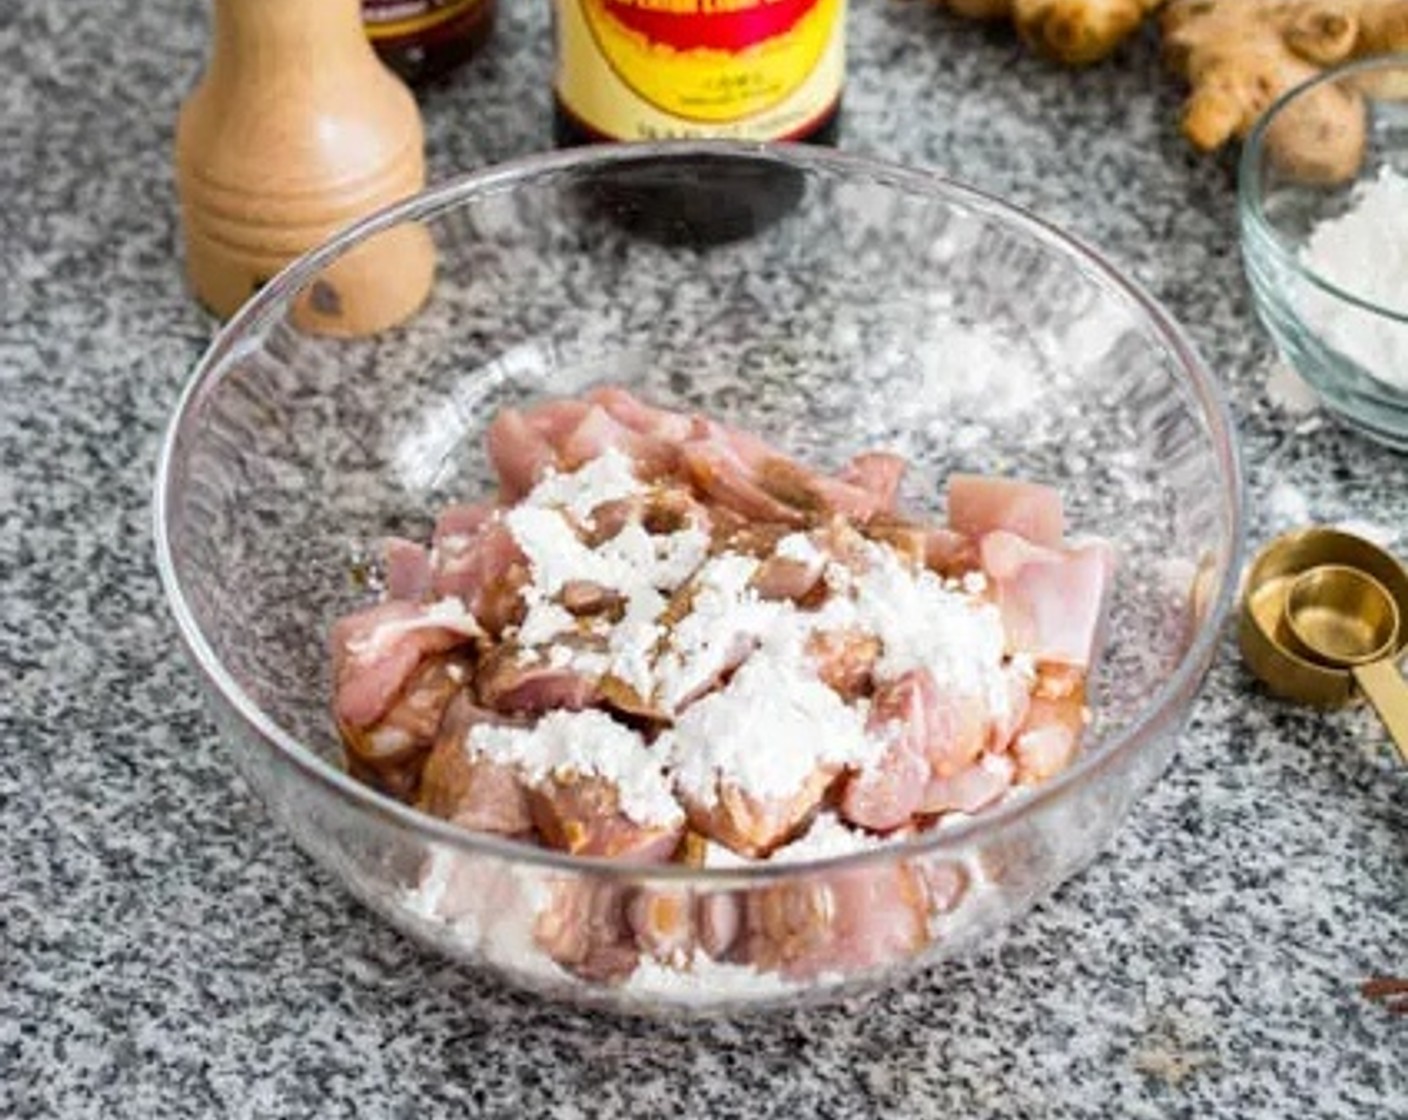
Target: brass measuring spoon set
column 1324, row 618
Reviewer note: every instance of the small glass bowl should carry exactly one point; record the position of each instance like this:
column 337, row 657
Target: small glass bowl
column 828, row 303
column 1331, row 331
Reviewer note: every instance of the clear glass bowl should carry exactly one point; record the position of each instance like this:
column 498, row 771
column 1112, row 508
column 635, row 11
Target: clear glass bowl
column 830, row 303
column 1338, row 338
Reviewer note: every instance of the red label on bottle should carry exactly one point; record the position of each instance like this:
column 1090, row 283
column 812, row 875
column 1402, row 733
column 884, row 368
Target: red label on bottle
column 721, row 25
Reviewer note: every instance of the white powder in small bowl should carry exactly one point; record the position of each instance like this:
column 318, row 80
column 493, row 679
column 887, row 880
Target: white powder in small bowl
column 1364, row 251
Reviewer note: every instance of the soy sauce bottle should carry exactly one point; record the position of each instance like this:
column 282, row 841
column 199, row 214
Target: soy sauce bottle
column 424, row 39
column 689, row 69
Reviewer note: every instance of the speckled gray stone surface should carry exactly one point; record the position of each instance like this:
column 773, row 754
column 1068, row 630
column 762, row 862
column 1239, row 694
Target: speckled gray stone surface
column 165, row 953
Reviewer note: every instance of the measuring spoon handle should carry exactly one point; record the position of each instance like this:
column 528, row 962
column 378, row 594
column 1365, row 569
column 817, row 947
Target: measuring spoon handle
column 1388, row 692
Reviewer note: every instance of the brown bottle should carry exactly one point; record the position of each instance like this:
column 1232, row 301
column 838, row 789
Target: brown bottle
column 424, row 39
column 671, row 69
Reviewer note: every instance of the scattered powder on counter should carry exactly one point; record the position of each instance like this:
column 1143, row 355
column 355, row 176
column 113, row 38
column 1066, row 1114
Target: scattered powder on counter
column 767, row 731
column 607, row 478
column 1364, row 251
column 1287, row 506
column 1290, row 392
column 589, row 743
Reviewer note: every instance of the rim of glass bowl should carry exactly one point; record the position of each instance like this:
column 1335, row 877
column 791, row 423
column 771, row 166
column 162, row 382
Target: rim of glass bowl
column 272, row 299
column 1249, row 183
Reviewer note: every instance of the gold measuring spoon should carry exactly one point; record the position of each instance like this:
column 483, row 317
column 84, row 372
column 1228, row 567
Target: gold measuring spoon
column 1344, row 618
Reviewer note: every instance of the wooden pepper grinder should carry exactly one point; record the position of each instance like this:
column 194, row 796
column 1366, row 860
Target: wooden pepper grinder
column 296, row 130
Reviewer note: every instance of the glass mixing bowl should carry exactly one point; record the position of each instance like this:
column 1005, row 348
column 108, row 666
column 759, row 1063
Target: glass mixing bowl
column 1349, row 345
column 830, row 303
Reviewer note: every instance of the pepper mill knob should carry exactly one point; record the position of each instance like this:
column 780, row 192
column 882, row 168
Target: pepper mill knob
column 295, row 130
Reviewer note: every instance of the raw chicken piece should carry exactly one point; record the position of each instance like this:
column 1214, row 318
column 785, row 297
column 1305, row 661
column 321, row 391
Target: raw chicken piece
column 842, row 922
column 584, row 928
column 1052, row 601
column 978, row 505
column 935, row 736
column 754, row 826
column 469, row 789
column 814, row 493
column 407, row 566
column 782, row 577
column 519, row 681
column 879, row 472
column 464, row 519
column 1049, row 738
column 950, row 553
column 485, row 571
column 391, row 753
column 673, row 925
column 718, row 473
column 555, row 419
column 844, row 660
column 375, row 651
column 971, row 789
column 582, row 816
column 662, row 423
column 598, row 431
column 887, row 795
column 521, row 455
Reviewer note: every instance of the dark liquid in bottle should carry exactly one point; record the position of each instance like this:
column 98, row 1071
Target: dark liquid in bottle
column 447, row 35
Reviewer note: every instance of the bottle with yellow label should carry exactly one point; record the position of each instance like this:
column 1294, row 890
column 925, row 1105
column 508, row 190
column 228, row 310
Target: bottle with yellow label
column 672, row 69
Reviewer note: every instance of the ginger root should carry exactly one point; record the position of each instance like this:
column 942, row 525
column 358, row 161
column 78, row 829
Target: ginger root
column 1076, row 32
column 1241, row 55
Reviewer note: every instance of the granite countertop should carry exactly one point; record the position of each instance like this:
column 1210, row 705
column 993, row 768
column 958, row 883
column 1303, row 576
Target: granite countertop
column 165, row 952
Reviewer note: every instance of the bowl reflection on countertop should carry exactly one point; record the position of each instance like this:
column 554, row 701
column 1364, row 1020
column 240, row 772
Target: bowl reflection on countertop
column 884, row 308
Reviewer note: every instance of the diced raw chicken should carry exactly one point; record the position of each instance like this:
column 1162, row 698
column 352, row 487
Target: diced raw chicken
column 978, row 505
column 879, row 472
column 814, row 493
column 391, row 753
column 672, row 925
column 464, row 519
column 843, row 922
column 521, row 455
column 844, row 660
column 782, row 577
column 506, row 682
column 1052, row 601
column 582, row 816
column 584, row 928
column 969, row 790
column 886, row 795
column 407, row 566
column 718, row 473
column 909, row 538
column 484, row 571
column 754, row 826
column 598, row 432
column 935, row 735
column 1049, row 738
column 555, row 419
column 375, row 652
column 950, row 553
column 469, row 789
column 629, row 410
